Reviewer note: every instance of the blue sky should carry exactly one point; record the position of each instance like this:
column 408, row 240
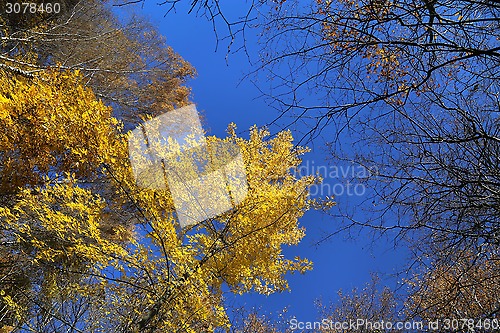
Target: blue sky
column 222, row 97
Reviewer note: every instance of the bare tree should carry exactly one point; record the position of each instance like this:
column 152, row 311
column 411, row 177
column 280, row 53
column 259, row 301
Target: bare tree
column 461, row 295
column 359, row 310
column 364, row 55
column 410, row 89
column 415, row 85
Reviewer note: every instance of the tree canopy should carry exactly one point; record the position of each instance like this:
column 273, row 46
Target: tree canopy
column 414, row 86
column 83, row 248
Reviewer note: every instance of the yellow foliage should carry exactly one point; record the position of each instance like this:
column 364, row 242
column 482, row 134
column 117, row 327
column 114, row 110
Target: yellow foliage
column 50, row 124
column 79, row 230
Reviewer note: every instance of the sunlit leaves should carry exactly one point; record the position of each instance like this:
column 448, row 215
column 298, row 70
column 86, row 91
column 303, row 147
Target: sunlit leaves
column 51, row 125
column 84, row 247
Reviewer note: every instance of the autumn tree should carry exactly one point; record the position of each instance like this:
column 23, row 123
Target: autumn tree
column 85, row 249
column 467, row 288
column 126, row 61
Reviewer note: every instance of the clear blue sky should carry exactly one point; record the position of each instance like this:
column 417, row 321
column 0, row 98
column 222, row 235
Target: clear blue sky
column 222, row 98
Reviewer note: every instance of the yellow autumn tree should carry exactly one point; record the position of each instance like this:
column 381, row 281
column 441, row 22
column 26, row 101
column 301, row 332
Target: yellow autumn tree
column 84, row 249
column 124, row 59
